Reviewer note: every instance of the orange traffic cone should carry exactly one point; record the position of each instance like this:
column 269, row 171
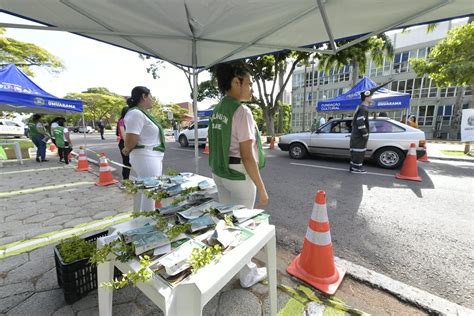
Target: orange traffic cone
column 82, row 163
column 410, row 168
column 315, row 264
column 424, row 158
column 53, row 147
column 105, row 175
column 272, row 143
column 206, row 149
column 158, row 204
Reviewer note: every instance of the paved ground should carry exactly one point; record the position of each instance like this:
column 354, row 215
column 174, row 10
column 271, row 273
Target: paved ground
column 28, row 284
column 417, row 233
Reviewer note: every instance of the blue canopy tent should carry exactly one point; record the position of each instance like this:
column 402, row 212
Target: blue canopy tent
column 20, row 94
column 383, row 99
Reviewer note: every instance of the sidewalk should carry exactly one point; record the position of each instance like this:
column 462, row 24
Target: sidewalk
column 67, row 199
column 435, row 149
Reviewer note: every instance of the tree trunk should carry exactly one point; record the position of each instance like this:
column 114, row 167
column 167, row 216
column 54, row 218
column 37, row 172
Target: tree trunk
column 355, row 72
column 457, row 111
column 281, row 82
column 269, row 122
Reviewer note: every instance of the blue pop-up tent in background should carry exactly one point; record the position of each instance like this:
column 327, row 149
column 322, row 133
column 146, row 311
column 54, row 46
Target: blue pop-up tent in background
column 20, row 94
column 383, row 99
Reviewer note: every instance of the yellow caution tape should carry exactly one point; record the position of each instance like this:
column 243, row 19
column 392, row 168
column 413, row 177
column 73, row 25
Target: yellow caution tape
column 43, row 188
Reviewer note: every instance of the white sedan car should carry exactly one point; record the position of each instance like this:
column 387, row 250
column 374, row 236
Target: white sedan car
column 388, row 144
column 186, row 137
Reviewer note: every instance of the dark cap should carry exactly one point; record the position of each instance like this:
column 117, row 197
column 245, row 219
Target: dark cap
column 368, row 93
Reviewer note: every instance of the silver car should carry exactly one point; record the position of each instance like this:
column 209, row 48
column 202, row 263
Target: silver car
column 388, row 144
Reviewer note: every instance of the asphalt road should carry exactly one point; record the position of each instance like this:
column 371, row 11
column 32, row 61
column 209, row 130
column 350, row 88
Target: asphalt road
column 418, row 233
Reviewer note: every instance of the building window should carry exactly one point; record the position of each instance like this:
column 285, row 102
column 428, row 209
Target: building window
column 425, row 115
column 416, row 87
column 400, row 62
column 447, row 92
column 445, row 113
column 468, row 90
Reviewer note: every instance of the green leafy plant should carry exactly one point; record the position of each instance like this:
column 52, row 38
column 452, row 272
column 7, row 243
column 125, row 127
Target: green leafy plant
column 176, row 230
column 142, row 275
column 171, row 172
column 203, row 256
column 178, row 200
column 76, row 248
column 229, row 220
column 124, row 251
column 130, row 186
column 189, row 190
column 212, row 211
column 155, row 195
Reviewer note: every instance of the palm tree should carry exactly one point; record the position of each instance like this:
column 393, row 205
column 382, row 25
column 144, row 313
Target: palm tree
column 376, row 47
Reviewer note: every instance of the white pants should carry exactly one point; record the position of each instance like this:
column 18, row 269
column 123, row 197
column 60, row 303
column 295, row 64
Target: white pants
column 241, row 192
column 147, row 163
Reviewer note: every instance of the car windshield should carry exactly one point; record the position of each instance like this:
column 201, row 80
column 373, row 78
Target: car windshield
column 337, row 127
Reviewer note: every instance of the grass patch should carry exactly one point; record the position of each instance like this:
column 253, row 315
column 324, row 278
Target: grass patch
column 24, row 143
column 458, row 153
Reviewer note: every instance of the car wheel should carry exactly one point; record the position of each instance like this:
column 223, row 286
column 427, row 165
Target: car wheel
column 183, row 141
column 389, row 158
column 298, row 151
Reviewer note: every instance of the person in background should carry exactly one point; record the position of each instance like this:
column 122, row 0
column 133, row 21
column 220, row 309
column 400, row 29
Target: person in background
column 63, row 140
column 121, row 144
column 53, row 125
column 101, row 128
column 175, row 130
column 412, row 121
column 37, row 134
column 322, row 121
column 383, row 114
column 144, row 139
column 360, row 133
column 235, row 150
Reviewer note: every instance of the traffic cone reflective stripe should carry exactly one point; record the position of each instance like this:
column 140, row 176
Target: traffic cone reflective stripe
column 206, row 148
column 315, row 265
column 409, row 169
column 105, row 175
column 82, row 162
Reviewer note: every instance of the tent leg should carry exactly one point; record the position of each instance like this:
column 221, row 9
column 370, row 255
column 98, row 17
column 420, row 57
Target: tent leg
column 195, row 88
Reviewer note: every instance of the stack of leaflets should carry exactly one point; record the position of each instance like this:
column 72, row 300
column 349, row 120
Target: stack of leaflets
column 145, row 238
column 255, row 222
column 178, row 260
column 241, row 215
column 200, row 223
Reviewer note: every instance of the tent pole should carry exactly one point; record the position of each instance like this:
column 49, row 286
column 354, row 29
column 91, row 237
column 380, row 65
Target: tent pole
column 84, row 127
column 195, row 87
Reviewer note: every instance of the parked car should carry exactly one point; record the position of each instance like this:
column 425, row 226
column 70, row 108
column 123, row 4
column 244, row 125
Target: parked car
column 186, row 137
column 388, row 143
column 87, row 129
column 11, row 128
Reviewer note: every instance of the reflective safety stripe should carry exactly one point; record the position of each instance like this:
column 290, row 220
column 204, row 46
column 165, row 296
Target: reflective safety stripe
column 361, row 118
column 412, row 151
column 358, row 149
column 365, row 135
column 82, row 158
column 320, row 213
column 103, row 169
column 320, row 239
column 361, row 127
column 356, row 164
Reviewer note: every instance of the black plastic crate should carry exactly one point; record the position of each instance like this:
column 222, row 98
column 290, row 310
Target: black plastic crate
column 79, row 277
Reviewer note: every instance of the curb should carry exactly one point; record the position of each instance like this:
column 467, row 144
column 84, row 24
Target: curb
column 431, row 303
column 451, row 159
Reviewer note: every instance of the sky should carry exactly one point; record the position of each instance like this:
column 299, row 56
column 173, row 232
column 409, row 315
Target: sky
column 89, row 63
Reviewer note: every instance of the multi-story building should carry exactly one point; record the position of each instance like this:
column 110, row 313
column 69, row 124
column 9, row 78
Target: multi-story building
column 432, row 106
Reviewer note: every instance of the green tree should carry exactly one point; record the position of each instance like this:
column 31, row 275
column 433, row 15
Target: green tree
column 375, row 47
column 25, row 55
column 451, row 63
column 99, row 104
column 160, row 111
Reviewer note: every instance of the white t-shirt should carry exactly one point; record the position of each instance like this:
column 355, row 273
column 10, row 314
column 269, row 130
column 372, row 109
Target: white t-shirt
column 148, row 133
column 243, row 129
column 322, row 121
column 53, row 126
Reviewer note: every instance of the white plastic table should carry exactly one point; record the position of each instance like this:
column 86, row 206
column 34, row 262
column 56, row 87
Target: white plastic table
column 17, row 151
column 189, row 297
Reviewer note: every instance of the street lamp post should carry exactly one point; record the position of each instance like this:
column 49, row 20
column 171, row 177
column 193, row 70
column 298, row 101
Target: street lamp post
column 304, row 98
column 312, row 86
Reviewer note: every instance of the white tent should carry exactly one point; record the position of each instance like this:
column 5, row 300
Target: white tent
column 201, row 33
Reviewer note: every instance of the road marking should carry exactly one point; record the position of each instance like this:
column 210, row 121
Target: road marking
column 341, row 169
column 41, row 189
column 32, row 170
column 22, row 246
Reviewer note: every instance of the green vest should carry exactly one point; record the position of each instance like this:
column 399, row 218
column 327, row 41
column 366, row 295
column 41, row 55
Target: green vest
column 160, row 147
column 59, row 136
column 32, row 130
column 219, row 133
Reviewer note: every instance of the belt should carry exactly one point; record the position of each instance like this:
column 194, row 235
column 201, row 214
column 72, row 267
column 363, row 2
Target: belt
column 234, row 160
column 153, row 148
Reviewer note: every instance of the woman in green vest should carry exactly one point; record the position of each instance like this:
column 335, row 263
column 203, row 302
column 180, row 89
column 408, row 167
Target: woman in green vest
column 37, row 134
column 235, row 151
column 144, row 139
column 63, row 141
column 235, row 146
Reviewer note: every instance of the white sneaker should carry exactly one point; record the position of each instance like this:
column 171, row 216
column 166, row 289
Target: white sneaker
column 250, row 275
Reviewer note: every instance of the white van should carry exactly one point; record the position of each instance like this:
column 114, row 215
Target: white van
column 11, row 128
